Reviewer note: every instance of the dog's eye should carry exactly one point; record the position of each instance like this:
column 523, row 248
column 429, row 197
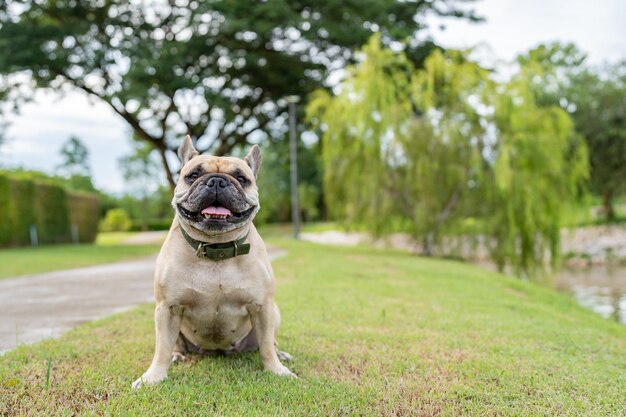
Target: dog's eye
column 193, row 176
column 242, row 180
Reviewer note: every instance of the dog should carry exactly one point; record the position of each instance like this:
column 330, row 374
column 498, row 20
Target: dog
column 214, row 285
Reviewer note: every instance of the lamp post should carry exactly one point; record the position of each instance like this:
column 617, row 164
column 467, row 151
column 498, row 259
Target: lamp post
column 293, row 158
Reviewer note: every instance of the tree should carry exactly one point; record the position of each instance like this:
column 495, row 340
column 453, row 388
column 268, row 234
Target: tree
column 75, row 158
column 444, row 152
column 217, row 70
column 599, row 111
column 274, row 181
column 141, row 172
column 596, row 100
column 74, row 166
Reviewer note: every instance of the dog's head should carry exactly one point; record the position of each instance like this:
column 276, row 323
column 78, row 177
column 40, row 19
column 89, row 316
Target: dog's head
column 216, row 195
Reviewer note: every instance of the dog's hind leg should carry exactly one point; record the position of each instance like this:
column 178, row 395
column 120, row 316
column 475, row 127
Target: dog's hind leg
column 181, row 349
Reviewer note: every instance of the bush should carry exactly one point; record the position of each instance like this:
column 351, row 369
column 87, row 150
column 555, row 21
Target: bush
column 116, row 220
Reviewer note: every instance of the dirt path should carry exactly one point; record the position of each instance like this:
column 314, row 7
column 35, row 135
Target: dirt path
column 45, row 305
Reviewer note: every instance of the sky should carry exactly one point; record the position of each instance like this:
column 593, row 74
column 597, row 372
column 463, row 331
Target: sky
column 36, row 135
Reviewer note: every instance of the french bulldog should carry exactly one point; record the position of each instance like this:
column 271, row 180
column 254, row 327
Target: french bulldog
column 214, row 285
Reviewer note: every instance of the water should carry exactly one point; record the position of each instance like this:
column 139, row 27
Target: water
column 599, row 288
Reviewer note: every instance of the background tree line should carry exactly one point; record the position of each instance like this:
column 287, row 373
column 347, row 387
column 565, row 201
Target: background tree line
column 428, row 141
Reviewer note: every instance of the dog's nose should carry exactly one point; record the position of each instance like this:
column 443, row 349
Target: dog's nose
column 217, row 182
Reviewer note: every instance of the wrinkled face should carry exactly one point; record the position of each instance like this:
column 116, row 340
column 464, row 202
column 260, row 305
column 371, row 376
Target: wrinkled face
column 216, row 194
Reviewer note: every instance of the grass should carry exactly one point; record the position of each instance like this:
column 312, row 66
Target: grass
column 109, row 248
column 373, row 333
column 277, row 230
column 113, row 238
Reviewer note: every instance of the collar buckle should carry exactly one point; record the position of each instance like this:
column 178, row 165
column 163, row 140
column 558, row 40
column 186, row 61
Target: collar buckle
column 201, row 250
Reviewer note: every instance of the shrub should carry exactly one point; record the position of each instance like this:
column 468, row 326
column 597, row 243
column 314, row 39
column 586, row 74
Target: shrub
column 116, row 220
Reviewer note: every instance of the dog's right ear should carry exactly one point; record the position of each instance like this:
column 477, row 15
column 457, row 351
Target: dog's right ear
column 186, row 150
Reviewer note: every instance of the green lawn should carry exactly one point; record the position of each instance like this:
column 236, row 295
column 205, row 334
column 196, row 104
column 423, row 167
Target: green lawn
column 109, row 248
column 372, row 332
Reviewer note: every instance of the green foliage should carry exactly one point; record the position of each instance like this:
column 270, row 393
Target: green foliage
column 146, row 211
column 596, row 100
column 600, row 116
column 151, row 225
column 309, row 198
column 6, row 212
column 75, row 182
column 51, row 212
column 146, row 199
column 28, row 199
column 539, row 170
column 23, row 216
column 140, row 169
column 84, row 213
column 75, row 159
column 423, row 151
column 116, row 220
column 275, row 187
column 216, row 70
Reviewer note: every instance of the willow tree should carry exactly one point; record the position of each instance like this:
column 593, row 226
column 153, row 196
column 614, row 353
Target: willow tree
column 540, row 167
column 445, row 152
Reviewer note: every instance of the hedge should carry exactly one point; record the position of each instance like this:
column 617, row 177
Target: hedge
column 50, row 207
column 85, row 214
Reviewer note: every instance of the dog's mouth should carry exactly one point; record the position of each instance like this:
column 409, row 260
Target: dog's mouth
column 215, row 213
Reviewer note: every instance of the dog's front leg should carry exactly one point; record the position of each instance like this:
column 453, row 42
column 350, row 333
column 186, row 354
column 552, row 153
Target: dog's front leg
column 264, row 323
column 167, row 324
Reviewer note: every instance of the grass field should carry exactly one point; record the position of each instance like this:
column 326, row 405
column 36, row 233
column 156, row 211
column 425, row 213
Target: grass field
column 108, row 248
column 372, row 332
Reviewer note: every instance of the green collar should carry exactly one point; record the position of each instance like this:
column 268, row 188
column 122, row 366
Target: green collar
column 217, row 251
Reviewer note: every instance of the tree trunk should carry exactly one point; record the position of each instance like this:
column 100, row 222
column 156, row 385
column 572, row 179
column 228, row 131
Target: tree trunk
column 428, row 244
column 607, row 203
column 166, row 167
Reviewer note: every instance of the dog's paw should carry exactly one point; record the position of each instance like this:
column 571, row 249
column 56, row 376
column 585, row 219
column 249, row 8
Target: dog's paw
column 284, row 356
column 283, row 371
column 148, row 380
column 178, row 357
column 137, row 384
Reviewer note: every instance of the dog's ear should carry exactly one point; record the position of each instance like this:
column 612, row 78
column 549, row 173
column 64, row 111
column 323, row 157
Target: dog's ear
column 186, row 150
column 253, row 159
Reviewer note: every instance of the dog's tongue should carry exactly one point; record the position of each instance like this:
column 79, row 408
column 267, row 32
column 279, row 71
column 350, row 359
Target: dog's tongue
column 216, row 210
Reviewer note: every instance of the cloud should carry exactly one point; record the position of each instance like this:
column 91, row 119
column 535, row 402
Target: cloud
column 513, row 27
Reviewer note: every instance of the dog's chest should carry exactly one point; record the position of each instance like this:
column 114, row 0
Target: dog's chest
column 215, row 304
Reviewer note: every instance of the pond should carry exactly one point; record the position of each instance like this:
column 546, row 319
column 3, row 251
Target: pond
column 599, row 288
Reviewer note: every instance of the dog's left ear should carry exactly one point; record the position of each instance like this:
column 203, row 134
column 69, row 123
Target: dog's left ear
column 253, row 159
column 186, row 150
